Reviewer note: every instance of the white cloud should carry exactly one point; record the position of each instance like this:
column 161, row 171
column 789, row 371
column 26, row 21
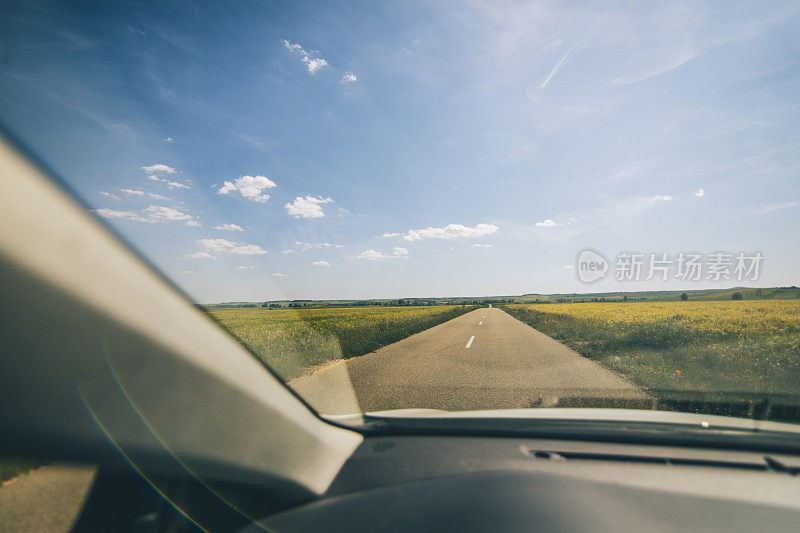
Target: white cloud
column 774, row 207
column 169, row 140
column 247, row 249
column 155, row 172
column 322, row 263
column 628, row 171
column 279, row 275
column 313, row 64
column 303, row 246
column 126, row 215
column 216, row 245
column 349, row 77
column 159, row 212
column 307, row 207
column 389, row 235
column 561, row 62
column 170, row 184
column 245, row 267
column 109, row 195
column 660, row 198
column 226, row 246
column 155, row 196
column 374, row 255
column 153, row 214
column 293, row 47
column 132, row 192
column 250, row 187
column 194, row 223
column 547, row 223
column 481, row 245
column 699, row 193
column 158, row 168
column 451, row 231
column 199, row 255
column 229, row 227
column 342, row 212
column 187, row 272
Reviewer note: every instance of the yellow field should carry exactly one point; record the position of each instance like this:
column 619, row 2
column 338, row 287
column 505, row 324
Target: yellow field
column 731, row 319
column 726, row 346
column 290, row 341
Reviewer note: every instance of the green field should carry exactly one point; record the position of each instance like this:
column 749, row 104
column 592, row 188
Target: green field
column 292, row 341
column 12, row 467
column 728, row 348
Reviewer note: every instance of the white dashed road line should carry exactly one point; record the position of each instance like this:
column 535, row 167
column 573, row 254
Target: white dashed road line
column 470, row 341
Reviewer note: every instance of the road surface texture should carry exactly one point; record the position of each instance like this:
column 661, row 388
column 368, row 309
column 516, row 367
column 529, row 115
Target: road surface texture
column 485, row 359
column 46, row 499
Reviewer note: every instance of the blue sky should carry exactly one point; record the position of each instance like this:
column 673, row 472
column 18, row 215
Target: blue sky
column 262, row 150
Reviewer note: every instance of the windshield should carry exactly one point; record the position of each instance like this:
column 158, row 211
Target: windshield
column 400, row 206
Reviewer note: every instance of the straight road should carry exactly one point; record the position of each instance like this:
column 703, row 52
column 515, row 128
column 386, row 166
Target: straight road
column 49, row 498
column 485, row 359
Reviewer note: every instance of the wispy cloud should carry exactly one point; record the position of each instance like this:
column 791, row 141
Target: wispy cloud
column 158, row 168
column 321, row 263
column 199, row 255
column 226, row 246
column 699, row 193
column 559, row 65
column 157, row 171
column 374, row 255
column 348, row 78
column 547, row 223
column 124, row 215
column 313, row 64
column 245, row 267
column 305, row 246
column 627, row 171
column 770, row 208
column 279, row 275
column 229, row 227
column 451, row 231
column 109, row 195
column 152, row 215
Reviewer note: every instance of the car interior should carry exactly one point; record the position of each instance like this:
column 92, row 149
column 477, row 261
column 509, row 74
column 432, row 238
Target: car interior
column 107, row 364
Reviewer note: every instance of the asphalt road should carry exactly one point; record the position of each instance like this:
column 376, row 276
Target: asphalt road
column 485, row 359
column 46, row 499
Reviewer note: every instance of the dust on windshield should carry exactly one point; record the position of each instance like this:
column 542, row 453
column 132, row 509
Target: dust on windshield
column 418, row 206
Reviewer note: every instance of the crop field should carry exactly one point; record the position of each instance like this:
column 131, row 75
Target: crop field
column 291, row 341
column 11, row 467
column 722, row 347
